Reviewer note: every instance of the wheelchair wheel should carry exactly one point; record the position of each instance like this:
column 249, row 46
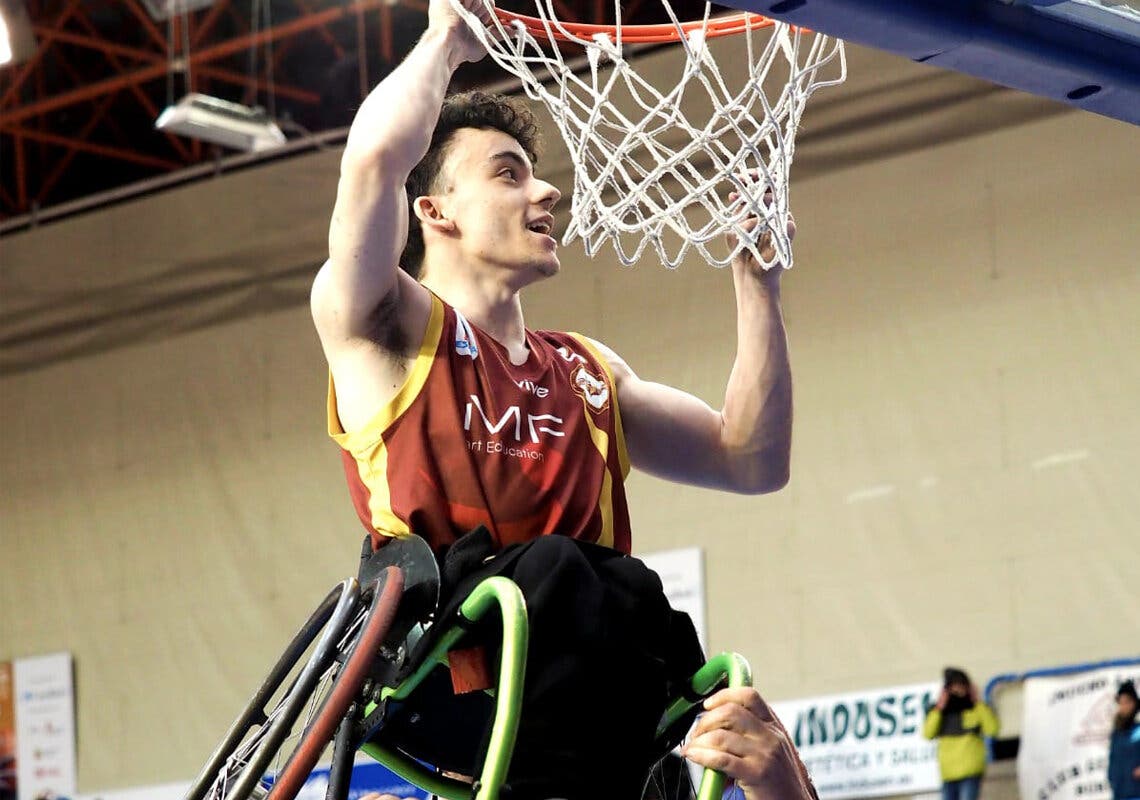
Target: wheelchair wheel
column 294, row 714
column 386, row 592
column 671, row 779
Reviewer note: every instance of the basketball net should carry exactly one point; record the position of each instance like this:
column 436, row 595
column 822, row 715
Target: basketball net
column 649, row 172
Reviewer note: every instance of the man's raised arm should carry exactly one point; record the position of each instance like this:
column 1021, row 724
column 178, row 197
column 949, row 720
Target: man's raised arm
column 388, row 137
column 746, row 446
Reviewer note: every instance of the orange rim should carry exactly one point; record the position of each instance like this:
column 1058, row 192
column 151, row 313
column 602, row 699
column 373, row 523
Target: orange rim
column 638, row 34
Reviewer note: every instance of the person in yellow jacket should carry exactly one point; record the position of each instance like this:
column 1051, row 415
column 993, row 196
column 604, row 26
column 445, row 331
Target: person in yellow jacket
column 959, row 721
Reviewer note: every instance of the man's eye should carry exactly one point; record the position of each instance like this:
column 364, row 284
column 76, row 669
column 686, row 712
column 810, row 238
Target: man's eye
column 508, row 173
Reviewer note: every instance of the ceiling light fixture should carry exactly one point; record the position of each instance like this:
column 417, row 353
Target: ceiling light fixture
column 161, row 10
column 212, row 119
column 17, row 41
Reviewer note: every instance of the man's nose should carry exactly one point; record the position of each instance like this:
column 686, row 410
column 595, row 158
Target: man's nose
column 548, row 195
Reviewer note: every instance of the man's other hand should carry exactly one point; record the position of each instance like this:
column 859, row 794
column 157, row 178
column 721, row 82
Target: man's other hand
column 744, row 259
column 740, row 736
column 443, row 18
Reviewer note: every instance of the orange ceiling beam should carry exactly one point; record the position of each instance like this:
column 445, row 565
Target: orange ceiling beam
column 29, row 66
column 279, row 89
column 95, row 43
column 147, row 23
column 208, row 23
column 89, row 147
column 203, row 56
column 109, row 49
column 111, row 52
column 61, row 166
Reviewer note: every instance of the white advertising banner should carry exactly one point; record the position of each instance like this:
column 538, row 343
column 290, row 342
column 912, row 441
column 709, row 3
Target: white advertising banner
column 166, row 791
column 1066, row 722
column 44, row 701
column 865, row 744
column 682, row 575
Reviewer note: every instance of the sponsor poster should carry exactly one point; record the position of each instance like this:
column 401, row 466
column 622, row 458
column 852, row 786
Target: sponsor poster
column 367, row 776
column 166, row 791
column 7, row 733
column 1066, row 723
column 44, row 711
column 865, row 744
column 682, row 575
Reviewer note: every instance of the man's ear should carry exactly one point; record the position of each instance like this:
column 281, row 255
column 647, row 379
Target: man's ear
column 431, row 214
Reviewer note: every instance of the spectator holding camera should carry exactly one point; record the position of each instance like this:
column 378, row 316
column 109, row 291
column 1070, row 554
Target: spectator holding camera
column 960, row 722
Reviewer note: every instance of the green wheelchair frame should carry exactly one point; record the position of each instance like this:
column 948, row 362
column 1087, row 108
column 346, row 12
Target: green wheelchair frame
column 355, row 623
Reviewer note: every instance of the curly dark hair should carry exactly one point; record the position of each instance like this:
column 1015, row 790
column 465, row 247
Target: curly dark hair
column 472, row 109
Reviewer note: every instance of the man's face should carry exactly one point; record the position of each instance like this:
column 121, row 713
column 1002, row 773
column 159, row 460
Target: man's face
column 1125, row 706
column 501, row 211
column 959, row 689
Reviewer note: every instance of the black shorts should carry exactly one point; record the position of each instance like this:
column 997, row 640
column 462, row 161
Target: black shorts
column 606, row 655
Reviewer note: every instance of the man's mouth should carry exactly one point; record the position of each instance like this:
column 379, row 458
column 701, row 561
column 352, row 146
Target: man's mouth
column 543, row 225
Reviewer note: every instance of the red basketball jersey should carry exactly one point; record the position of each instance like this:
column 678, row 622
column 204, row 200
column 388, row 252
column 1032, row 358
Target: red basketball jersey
column 472, row 439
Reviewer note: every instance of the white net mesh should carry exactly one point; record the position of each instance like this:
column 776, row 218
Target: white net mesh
column 649, row 172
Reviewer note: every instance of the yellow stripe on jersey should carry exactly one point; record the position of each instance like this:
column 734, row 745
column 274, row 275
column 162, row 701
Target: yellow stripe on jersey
column 374, row 429
column 367, row 444
column 384, row 520
column 623, row 455
column 601, row 441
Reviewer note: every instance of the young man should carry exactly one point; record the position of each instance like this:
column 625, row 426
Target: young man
column 959, row 721
column 453, row 415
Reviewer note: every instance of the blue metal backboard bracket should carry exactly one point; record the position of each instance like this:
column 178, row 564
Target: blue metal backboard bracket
column 1080, row 52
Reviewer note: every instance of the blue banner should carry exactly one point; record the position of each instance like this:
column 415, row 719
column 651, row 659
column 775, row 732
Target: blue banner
column 367, row 776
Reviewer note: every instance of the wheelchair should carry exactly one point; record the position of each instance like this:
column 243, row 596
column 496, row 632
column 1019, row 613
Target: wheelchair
column 357, row 662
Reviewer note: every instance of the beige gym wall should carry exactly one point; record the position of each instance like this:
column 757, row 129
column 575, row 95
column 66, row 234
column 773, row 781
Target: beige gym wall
column 963, row 327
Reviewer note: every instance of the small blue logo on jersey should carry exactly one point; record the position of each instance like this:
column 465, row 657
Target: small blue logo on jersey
column 465, row 338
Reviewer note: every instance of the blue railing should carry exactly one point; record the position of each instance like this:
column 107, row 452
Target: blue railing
column 1047, row 672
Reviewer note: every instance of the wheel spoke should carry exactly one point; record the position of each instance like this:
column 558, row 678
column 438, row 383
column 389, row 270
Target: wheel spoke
column 309, row 691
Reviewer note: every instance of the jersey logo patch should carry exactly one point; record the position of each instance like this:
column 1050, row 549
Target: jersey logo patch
column 465, row 338
column 570, row 356
column 595, row 390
